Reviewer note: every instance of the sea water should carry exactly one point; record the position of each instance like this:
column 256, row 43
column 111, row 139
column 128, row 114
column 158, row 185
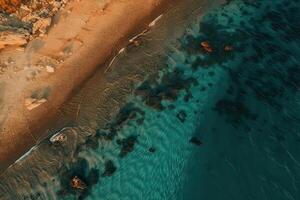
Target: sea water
column 244, row 109
column 220, row 120
column 241, row 105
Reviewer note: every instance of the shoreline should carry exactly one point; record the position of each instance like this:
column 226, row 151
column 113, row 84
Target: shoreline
column 24, row 123
column 98, row 103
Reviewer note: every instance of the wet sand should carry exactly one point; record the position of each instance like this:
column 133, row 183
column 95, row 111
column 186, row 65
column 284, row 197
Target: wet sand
column 51, row 69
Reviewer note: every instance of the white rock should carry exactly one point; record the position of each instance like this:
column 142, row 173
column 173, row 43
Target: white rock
column 50, row 69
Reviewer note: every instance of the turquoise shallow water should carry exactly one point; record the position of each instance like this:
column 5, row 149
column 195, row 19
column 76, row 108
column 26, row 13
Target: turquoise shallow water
column 242, row 105
column 247, row 119
column 209, row 125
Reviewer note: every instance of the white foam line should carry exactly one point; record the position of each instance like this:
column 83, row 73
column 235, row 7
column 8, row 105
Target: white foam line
column 114, row 58
column 58, row 133
column 155, row 20
column 110, row 64
column 121, row 50
column 25, row 155
column 34, row 147
column 132, row 40
column 138, row 35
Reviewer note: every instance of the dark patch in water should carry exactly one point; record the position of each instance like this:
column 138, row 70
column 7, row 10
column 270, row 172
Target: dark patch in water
column 104, row 134
column 219, row 38
column 152, row 149
column 167, row 89
column 140, row 121
column 171, row 107
column 92, row 142
column 203, row 88
column 110, row 168
column 181, row 115
column 81, row 170
column 211, row 73
column 125, row 116
column 187, row 97
column 196, row 141
column 127, row 145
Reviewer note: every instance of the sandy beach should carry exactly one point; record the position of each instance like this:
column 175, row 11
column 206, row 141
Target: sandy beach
column 45, row 73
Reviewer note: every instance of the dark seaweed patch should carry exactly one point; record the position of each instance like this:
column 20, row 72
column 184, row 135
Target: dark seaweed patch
column 127, row 112
column 203, row 88
column 187, row 97
column 103, row 134
column 224, row 44
column 171, row 107
column 126, row 115
column 211, row 73
column 81, row 170
column 196, row 141
column 110, row 168
column 127, row 145
column 152, row 149
column 92, row 142
column 168, row 89
column 181, row 115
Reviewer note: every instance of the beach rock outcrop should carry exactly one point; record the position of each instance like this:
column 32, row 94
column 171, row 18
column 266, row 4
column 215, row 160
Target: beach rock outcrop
column 206, row 46
column 10, row 6
column 23, row 20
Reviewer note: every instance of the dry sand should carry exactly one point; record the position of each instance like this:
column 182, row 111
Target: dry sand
column 36, row 80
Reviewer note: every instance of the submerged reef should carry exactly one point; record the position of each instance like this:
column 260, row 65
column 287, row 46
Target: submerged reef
column 79, row 170
column 168, row 88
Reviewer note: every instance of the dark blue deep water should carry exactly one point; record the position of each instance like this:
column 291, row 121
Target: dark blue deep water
column 220, row 121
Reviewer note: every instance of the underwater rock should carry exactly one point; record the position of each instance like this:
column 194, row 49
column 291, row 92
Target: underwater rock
column 203, row 88
column 187, row 97
column 77, row 179
column 127, row 145
column 106, row 135
column 211, row 73
column 168, row 89
column 127, row 114
column 228, row 48
column 77, row 183
column 58, row 138
column 140, row 121
column 92, row 142
column 110, row 168
column 181, row 115
column 195, row 141
column 171, row 107
column 152, row 149
column 206, row 46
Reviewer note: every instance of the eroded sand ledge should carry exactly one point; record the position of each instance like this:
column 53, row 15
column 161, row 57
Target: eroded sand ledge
column 50, row 69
